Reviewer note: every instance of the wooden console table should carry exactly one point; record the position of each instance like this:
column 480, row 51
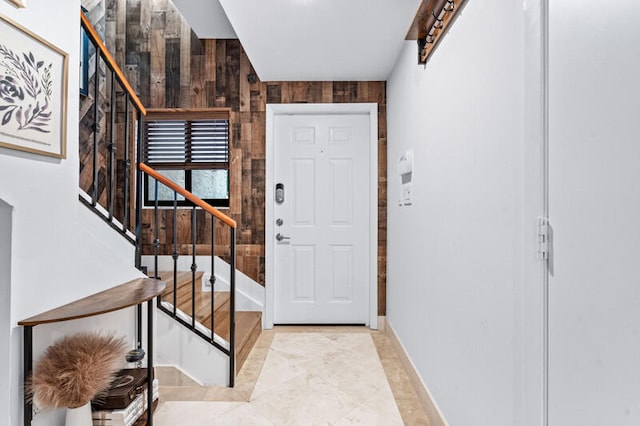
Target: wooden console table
column 132, row 293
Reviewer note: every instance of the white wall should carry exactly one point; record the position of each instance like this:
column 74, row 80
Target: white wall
column 57, row 256
column 178, row 346
column 456, row 256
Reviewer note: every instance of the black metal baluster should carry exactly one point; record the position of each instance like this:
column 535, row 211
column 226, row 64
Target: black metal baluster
column 138, row 242
column 138, row 199
column 212, row 279
column 156, row 241
column 175, row 252
column 127, row 165
column 232, row 311
column 96, row 127
column 194, row 267
column 112, row 146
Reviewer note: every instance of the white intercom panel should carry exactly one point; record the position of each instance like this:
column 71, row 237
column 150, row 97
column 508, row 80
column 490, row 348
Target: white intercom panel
column 405, row 171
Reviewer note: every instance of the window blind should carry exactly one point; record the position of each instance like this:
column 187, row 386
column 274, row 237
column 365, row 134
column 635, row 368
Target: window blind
column 176, row 141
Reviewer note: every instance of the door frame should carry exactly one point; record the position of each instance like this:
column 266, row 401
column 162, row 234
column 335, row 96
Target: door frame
column 8, row 350
column 273, row 110
column 534, row 294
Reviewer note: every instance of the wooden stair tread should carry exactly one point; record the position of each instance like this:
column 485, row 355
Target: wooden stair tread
column 183, row 278
column 183, row 295
column 248, row 323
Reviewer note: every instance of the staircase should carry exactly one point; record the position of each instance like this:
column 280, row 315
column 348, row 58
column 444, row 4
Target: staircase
column 112, row 176
column 248, row 323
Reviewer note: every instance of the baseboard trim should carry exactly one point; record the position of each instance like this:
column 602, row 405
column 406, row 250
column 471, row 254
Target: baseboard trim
column 424, row 396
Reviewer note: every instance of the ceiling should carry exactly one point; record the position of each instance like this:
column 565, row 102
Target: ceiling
column 310, row 40
column 206, row 18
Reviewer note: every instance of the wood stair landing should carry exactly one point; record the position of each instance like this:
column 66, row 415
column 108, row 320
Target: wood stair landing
column 248, row 324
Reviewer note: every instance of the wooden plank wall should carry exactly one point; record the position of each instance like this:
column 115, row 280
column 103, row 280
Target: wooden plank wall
column 97, row 15
column 170, row 67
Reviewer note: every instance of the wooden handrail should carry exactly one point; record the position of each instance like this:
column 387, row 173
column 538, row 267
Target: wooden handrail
column 188, row 195
column 95, row 38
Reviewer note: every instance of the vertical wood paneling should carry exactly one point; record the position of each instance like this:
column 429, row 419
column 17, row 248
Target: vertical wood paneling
column 172, row 73
column 176, row 69
column 158, row 59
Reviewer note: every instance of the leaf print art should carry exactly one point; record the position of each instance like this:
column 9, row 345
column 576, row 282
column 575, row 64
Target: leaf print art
column 25, row 91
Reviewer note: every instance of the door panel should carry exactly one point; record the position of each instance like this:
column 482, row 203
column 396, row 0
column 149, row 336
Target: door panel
column 304, row 283
column 594, row 208
column 342, row 188
column 321, row 266
column 304, row 190
column 342, row 261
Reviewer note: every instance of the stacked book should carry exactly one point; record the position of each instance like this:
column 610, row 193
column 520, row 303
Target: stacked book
column 126, row 400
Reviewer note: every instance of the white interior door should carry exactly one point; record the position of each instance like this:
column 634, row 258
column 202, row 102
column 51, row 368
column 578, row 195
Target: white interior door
column 594, row 208
column 322, row 222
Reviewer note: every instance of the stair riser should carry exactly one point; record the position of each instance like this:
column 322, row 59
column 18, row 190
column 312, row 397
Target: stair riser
column 248, row 324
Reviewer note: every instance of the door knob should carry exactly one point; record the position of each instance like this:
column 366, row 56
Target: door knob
column 281, row 237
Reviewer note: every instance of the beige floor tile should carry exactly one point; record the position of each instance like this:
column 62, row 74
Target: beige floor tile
column 223, row 393
column 308, row 383
column 192, row 413
column 304, row 400
column 353, row 367
column 279, row 371
column 365, row 415
column 182, row 393
column 244, row 415
column 171, row 376
column 383, row 405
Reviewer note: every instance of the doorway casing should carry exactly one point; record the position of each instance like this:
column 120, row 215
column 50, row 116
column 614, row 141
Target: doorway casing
column 273, row 110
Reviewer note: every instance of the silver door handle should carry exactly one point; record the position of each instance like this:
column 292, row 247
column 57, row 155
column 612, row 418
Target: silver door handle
column 281, row 237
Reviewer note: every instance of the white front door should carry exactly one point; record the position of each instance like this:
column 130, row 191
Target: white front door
column 321, row 216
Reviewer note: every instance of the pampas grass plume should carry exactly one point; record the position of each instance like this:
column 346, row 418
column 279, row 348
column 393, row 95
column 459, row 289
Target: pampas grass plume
column 75, row 369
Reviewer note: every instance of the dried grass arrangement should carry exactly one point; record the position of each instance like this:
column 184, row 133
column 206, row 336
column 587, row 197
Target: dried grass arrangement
column 76, row 369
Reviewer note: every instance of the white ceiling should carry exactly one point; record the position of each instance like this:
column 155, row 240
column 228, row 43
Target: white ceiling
column 206, row 18
column 313, row 40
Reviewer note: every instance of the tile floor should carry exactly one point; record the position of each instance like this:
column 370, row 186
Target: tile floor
column 301, row 376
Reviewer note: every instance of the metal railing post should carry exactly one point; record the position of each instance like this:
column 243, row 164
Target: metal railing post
column 127, row 166
column 194, row 267
column 138, row 199
column 212, row 279
column 156, row 224
column 139, row 177
column 232, row 311
column 96, row 127
column 175, row 252
column 111, row 147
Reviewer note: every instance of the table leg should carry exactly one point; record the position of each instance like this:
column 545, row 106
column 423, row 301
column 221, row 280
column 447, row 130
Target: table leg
column 27, row 367
column 150, row 362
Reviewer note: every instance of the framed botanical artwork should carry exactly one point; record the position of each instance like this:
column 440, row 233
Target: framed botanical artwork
column 33, row 92
column 19, row 3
